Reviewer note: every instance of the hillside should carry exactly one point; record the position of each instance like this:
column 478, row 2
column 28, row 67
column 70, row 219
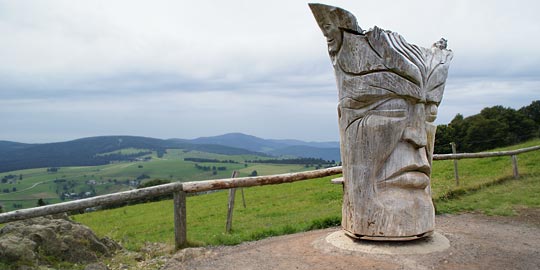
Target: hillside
column 95, row 151
column 324, row 150
column 239, row 140
column 90, row 151
column 22, row 188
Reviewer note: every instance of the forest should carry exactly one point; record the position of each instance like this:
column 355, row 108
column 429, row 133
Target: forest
column 493, row 127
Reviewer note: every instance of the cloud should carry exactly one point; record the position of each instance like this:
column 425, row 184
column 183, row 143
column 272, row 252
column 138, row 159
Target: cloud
column 187, row 69
column 180, row 114
column 469, row 96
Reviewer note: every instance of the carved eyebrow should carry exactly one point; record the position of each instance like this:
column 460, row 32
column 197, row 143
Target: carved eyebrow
column 350, row 102
column 368, row 95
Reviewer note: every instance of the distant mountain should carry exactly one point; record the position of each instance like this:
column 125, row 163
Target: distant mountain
column 324, row 150
column 86, row 151
column 240, row 140
column 89, row 151
column 9, row 146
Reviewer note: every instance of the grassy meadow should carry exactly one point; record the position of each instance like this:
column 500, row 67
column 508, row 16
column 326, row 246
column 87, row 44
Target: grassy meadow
column 486, row 185
column 28, row 186
column 270, row 210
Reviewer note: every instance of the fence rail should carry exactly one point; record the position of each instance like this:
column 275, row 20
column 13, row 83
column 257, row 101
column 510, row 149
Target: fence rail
column 485, row 154
column 180, row 189
column 512, row 153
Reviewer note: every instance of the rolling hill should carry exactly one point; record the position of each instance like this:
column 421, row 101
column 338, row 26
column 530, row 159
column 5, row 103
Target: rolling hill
column 93, row 151
column 99, row 150
column 324, row 150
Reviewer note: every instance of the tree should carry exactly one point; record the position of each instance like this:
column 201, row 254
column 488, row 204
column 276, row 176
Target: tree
column 41, row 202
column 154, row 182
column 443, row 138
column 1, row 208
column 532, row 111
column 493, row 127
column 254, row 173
column 459, row 129
column 485, row 134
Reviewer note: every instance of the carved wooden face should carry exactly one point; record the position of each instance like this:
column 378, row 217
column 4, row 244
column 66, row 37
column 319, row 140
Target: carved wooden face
column 402, row 127
column 387, row 163
column 386, row 112
column 389, row 91
column 333, row 36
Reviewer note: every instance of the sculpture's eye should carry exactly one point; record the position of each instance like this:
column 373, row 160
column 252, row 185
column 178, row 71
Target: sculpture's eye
column 328, row 28
column 431, row 112
column 395, row 107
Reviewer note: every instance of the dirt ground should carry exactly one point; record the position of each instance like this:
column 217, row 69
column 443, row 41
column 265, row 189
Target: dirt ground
column 476, row 242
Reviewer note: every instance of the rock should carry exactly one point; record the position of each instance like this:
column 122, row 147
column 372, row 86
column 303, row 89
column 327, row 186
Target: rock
column 49, row 240
column 187, row 254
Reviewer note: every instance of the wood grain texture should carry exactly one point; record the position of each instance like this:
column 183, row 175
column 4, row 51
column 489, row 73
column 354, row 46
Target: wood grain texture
column 389, row 91
column 90, row 202
column 230, row 205
column 180, row 219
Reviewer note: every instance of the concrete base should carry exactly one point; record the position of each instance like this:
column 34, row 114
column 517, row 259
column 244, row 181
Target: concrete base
column 434, row 243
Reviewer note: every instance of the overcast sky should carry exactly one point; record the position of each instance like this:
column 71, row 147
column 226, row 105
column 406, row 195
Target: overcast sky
column 184, row 69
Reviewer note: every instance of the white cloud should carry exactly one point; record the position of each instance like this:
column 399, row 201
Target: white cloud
column 179, row 68
column 469, row 96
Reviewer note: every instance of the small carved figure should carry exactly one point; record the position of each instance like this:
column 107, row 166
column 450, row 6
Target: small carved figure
column 389, row 91
column 441, row 44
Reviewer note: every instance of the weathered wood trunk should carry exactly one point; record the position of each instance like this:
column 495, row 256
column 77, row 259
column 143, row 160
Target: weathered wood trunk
column 389, row 91
column 180, row 219
column 230, row 205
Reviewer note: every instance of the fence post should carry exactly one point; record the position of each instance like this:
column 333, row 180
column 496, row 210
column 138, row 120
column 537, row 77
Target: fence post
column 230, row 205
column 243, row 198
column 456, row 175
column 180, row 224
column 515, row 166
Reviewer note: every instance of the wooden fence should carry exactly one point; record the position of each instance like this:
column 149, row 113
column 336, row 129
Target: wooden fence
column 512, row 153
column 180, row 189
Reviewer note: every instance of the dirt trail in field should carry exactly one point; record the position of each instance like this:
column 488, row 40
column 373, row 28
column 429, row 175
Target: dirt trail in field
column 476, row 242
column 28, row 188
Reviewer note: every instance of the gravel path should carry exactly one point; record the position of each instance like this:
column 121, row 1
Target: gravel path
column 476, row 242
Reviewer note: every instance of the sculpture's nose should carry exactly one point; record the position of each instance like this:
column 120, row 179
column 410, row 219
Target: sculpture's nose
column 415, row 132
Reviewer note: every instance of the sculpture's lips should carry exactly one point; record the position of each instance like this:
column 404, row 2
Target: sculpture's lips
column 413, row 176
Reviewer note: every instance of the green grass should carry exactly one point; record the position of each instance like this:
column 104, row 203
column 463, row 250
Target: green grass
column 476, row 173
column 38, row 183
column 125, row 151
column 485, row 186
column 502, row 198
column 271, row 210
